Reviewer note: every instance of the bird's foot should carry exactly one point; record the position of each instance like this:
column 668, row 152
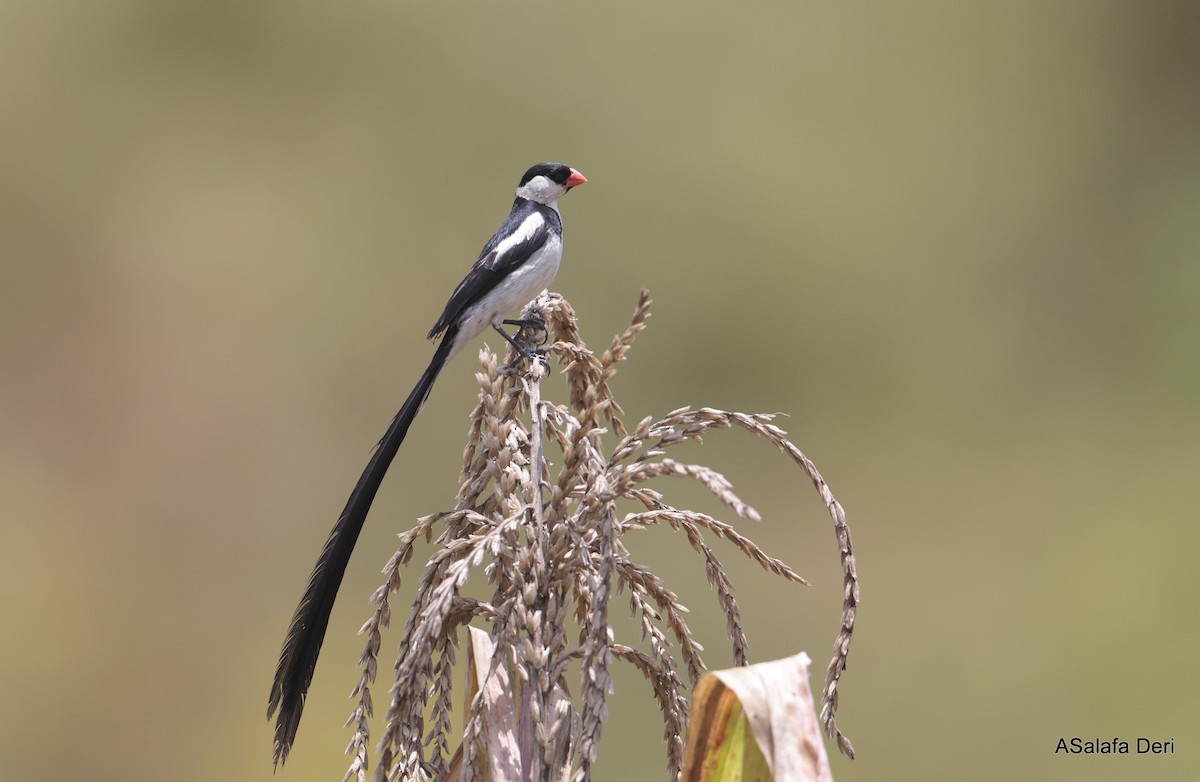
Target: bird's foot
column 531, row 330
column 529, row 343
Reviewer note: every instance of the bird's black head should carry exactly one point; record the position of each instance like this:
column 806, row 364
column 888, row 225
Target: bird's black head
column 548, row 182
column 558, row 173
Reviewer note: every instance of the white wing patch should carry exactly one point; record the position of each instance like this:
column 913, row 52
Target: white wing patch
column 529, row 226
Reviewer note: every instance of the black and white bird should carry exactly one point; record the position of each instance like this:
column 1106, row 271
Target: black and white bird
column 516, row 264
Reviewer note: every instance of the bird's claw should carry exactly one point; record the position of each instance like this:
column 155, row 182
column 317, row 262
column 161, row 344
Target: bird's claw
column 531, row 329
column 538, row 354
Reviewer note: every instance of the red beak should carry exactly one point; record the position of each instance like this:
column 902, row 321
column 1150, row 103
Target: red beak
column 575, row 179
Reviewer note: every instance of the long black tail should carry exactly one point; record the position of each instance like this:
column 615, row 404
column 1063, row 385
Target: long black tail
column 302, row 645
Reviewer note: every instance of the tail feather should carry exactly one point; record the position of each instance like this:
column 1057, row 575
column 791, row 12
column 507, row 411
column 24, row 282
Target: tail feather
column 302, row 645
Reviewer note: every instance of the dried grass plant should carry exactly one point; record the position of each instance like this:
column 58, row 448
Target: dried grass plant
column 551, row 548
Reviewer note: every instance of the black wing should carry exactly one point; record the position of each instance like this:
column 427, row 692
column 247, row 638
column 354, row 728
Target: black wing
column 494, row 263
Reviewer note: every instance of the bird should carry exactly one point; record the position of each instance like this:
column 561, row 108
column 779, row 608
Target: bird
column 516, row 264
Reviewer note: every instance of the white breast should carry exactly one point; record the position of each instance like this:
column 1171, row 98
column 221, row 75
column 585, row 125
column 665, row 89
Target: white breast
column 521, row 287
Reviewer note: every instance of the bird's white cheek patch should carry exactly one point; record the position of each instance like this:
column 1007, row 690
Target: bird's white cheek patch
column 541, row 189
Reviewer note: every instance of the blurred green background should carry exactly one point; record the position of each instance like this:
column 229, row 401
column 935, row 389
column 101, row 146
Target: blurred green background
column 957, row 242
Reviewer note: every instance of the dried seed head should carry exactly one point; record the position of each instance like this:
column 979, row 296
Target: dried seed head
column 551, row 544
